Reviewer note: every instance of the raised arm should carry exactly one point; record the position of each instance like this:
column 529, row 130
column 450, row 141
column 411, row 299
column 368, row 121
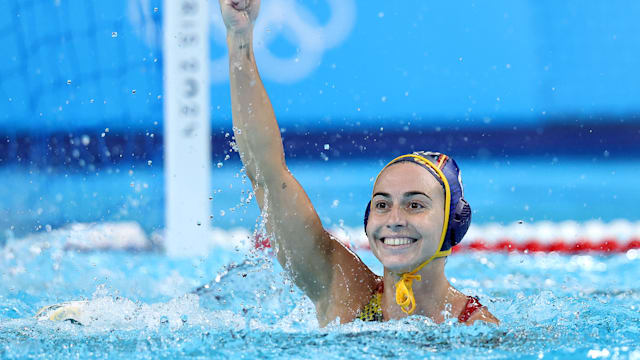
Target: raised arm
column 334, row 278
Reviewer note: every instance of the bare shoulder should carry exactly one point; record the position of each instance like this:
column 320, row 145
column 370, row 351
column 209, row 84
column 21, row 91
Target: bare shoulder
column 483, row 314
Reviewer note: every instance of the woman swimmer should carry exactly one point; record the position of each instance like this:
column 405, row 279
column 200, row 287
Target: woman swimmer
column 416, row 214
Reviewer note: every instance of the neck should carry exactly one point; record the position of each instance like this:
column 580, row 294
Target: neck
column 431, row 292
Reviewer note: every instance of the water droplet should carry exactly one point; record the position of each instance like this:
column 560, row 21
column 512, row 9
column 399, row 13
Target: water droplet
column 155, row 9
column 133, row 91
column 222, row 212
column 199, row 223
column 68, row 82
column 219, row 165
column 86, row 140
column 114, row 34
column 149, row 162
column 326, row 146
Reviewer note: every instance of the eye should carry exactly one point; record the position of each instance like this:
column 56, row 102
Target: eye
column 381, row 205
column 414, row 205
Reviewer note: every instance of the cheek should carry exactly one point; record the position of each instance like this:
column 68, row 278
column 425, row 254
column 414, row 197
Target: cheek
column 371, row 229
column 433, row 227
column 373, row 223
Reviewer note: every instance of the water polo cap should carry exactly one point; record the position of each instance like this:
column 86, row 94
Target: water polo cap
column 457, row 215
column 459, row 211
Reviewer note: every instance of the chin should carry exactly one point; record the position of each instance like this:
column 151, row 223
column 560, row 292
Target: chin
column 398, row 262
column 397, row 267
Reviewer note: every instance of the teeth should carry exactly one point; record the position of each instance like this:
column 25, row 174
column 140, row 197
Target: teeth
column 397, row 241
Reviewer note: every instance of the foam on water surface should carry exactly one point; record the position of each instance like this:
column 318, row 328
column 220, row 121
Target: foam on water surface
column 235, row 303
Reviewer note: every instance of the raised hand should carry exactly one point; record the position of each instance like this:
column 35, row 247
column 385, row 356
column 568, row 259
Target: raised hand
column 239, row 15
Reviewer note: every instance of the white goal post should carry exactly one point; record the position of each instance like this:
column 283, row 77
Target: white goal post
column 187, row 128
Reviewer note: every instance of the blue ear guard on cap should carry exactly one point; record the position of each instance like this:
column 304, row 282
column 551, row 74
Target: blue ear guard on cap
column 460, row 211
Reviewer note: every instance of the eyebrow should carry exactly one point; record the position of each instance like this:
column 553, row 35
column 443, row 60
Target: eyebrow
column 407, row 194
column 413, row 193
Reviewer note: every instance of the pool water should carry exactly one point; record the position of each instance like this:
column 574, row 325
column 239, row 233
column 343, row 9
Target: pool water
column 143, row 306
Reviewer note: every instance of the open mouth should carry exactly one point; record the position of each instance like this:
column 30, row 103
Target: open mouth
column 397, row 241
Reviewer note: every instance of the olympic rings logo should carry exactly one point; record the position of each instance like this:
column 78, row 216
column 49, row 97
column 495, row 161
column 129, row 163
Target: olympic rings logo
column 285, row 18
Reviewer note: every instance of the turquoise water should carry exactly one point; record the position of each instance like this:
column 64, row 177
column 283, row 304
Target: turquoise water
column 551, row 306
column 142, row 305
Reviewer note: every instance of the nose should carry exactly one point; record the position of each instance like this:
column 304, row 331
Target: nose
column 396, row 218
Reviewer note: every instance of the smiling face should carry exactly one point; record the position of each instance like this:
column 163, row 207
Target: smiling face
column 407, row 216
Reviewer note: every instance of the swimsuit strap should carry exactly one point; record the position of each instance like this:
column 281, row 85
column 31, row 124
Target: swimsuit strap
column 473, row 305
column 373, row 310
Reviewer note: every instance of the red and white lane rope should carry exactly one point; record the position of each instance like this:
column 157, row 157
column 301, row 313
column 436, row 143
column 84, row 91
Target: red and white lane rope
column 540, row 237
column 569, row 237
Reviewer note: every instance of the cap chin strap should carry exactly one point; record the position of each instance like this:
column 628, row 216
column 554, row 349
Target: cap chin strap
column 404, row 287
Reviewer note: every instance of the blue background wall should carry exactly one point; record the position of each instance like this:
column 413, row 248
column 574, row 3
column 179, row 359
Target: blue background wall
column 480, row 80
column 423, row 63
